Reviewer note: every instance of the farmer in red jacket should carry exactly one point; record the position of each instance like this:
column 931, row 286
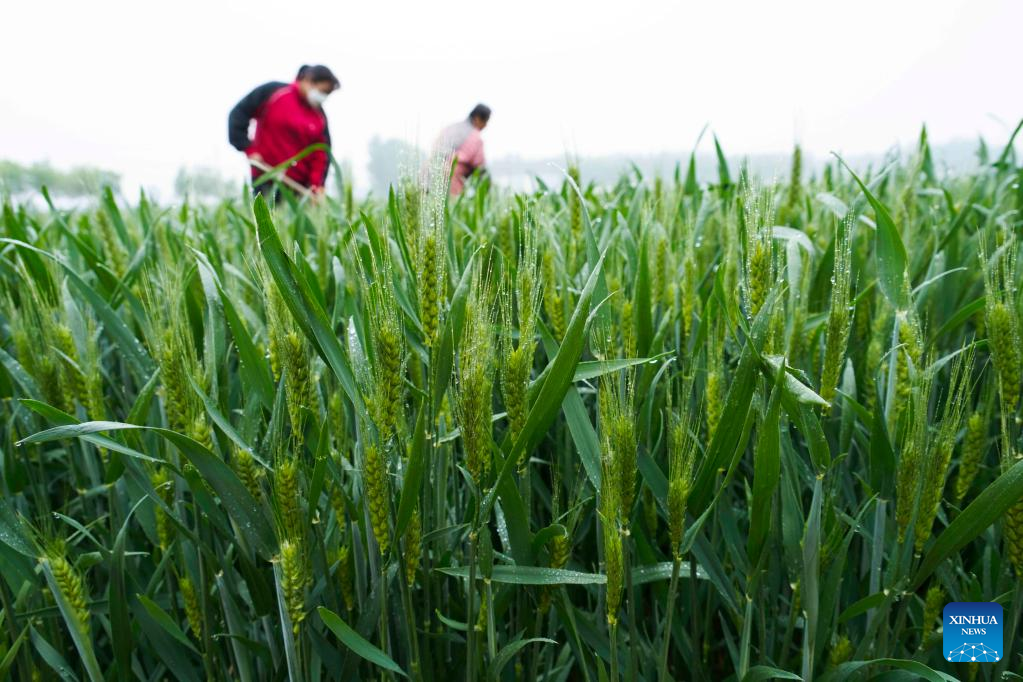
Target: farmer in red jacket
column 288, row 122
column 249, row 109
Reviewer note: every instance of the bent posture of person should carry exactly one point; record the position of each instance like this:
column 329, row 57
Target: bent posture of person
column 289, row 118
column 461, row 144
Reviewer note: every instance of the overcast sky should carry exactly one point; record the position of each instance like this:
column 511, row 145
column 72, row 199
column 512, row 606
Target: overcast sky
column 144, row 88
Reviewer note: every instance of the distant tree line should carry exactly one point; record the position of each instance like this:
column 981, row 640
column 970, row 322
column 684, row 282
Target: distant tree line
column 389, row 160
column 79, row 181
column 202, row 182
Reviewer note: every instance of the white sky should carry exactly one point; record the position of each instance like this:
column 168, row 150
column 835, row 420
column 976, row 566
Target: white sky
column 144, row 88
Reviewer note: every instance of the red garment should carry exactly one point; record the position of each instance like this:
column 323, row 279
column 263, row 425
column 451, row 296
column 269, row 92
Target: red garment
column 470, row 158
column 286, row 125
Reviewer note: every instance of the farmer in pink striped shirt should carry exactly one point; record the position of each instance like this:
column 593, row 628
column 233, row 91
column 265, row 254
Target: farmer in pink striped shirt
column 462, row 142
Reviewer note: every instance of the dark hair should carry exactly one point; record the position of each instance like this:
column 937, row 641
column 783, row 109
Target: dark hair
column 302, row 71
column 480, row 111
column 319, row 74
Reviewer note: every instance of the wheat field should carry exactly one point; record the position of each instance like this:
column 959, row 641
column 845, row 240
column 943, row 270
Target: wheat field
column 678, row 428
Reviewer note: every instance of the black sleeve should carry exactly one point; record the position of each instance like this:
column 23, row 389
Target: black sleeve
column 245, row 111
column 326, row 138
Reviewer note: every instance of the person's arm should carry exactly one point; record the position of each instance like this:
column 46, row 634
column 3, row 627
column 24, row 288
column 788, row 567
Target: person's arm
column 481, row 162
column 326, row 138
column 472, row 154
column 318, row 168
column 243, row 112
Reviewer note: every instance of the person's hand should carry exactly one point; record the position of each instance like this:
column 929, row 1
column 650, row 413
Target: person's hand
column 316, row 194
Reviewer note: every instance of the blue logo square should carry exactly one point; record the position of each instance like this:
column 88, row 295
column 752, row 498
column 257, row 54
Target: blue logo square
column 972, row 632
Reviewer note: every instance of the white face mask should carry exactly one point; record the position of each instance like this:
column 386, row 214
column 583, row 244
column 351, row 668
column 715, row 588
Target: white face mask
column 316, row 97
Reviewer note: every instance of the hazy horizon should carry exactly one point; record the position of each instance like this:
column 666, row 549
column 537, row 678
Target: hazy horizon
column 149, row 87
